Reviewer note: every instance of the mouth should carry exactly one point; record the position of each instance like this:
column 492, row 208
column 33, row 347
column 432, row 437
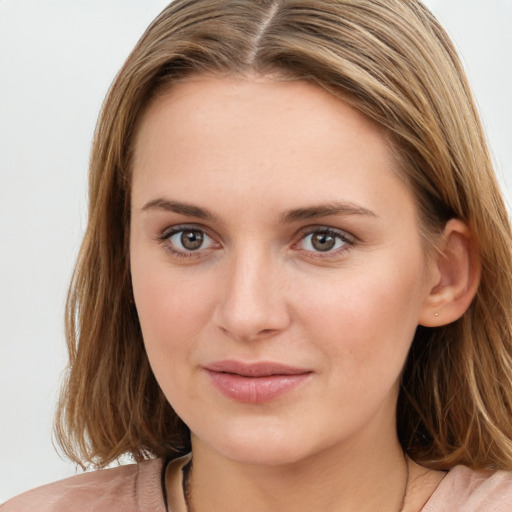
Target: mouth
column 255, row 383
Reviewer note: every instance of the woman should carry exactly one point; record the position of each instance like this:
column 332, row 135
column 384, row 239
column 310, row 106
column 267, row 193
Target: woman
column 294, row 291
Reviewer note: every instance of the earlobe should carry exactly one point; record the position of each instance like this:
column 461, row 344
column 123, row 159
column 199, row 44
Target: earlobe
column 455, row 277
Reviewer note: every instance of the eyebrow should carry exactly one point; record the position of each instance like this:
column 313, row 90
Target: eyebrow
column 324, row 210
column 180, row 208
column 287, row 217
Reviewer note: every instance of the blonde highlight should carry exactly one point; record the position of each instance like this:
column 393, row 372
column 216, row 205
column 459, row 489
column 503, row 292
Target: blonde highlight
column 394, row 63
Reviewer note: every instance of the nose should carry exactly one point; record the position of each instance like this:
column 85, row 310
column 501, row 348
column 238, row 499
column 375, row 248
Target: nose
column 253, row 301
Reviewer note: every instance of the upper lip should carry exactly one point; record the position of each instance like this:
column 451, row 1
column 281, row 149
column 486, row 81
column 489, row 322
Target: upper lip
column 257, row 369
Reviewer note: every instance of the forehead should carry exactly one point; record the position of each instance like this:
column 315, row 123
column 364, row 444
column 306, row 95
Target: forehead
column 258, row 138
column 254, row 108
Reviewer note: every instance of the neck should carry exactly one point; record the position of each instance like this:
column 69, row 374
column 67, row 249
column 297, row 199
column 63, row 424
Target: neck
column 335, row 480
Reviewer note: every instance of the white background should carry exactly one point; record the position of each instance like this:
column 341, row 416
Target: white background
column 57, row 59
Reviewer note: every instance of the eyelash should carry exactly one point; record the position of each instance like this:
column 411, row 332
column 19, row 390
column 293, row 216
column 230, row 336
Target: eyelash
column 347, row 240
column 166, row 236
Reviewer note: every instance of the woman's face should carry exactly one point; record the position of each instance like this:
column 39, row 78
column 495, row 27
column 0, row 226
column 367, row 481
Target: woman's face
column 277, row 267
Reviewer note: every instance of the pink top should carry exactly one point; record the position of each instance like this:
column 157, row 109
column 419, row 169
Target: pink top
column 138, row 488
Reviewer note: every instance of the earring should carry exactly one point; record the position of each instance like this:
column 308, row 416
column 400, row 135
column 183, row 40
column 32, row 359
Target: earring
column 436, row 314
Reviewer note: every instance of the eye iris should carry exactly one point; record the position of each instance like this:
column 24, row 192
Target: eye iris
column 192, row 240
column 323, row 241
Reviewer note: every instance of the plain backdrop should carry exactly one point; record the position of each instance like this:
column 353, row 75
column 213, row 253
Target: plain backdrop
column 57, row 59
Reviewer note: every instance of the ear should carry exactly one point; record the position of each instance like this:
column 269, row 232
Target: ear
column 455, row 276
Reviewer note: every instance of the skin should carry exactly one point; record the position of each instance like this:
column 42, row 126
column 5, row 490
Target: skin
column 250, row 150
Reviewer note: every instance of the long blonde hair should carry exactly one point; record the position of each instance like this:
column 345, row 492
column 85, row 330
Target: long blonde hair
column 393, row 62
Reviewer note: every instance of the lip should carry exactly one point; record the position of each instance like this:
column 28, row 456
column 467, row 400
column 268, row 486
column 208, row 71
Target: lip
column 255, row 383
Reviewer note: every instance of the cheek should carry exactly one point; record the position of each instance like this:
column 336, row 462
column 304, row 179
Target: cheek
column 167, row 308
column 172, row 308
column 366, row 319
column 169, row 319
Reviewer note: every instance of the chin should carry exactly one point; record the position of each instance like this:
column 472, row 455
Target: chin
column 262, row 447
column 267, row 455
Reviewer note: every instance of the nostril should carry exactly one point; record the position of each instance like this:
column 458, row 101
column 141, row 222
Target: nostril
column 266, row 332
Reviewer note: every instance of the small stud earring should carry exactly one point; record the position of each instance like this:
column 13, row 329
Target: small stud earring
column 436, row 314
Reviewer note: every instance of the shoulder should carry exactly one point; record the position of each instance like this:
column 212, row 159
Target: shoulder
column 134, row 487
column 467, row 490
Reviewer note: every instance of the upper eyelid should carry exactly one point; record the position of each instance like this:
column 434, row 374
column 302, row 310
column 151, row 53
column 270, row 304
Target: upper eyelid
column 303, row 230
column 308, row 230
column 171, row 230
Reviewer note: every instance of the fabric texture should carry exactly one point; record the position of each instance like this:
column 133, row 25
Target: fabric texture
column 130, row 488
column 138, row 488
column 467, row 490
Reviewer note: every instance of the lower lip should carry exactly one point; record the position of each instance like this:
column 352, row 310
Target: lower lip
column 256, row 390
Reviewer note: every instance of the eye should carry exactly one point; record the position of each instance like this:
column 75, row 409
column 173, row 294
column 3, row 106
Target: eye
column 324, row 240
column 183, row 241
column 188, row 240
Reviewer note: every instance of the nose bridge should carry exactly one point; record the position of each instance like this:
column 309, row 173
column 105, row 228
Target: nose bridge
column 252, row 302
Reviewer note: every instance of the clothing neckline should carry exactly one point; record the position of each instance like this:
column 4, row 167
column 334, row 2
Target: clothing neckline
column 177, row 498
